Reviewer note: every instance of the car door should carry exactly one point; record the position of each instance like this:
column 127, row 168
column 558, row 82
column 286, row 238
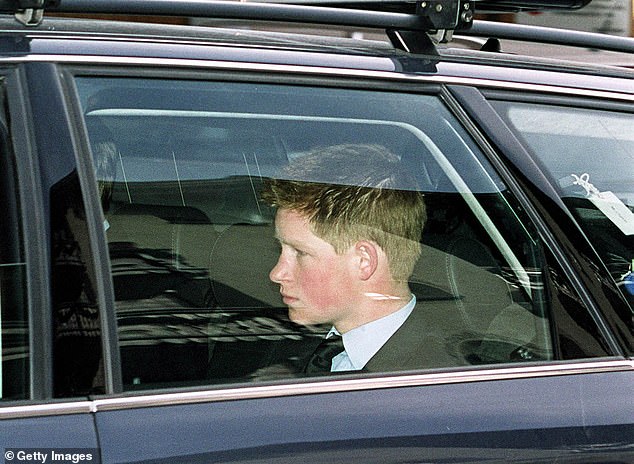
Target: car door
column 523, row 365
column 36, row 417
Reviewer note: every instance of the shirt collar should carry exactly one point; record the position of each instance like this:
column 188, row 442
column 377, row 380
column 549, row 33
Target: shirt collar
column 363, row 342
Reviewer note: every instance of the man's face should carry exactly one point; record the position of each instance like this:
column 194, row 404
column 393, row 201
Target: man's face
column 316, row 283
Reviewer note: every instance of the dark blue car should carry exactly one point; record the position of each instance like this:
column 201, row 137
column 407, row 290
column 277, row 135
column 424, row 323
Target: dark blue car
column 140, row 317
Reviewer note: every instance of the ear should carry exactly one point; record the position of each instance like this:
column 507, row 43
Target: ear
column 367, row 254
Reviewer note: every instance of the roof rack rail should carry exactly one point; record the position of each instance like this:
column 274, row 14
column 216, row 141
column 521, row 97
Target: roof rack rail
column 515, row 6
column 487, row 6
column 411, row 25
column 547, row 35
column 406, row 14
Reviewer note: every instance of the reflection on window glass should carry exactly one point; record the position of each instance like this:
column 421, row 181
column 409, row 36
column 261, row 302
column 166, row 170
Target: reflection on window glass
column 78, row 365
column 14, row 328
column 590, row 155
column 250, row 226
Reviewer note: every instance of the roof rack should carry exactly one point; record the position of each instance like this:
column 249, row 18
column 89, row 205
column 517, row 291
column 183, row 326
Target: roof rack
column 408, row 22
column 411, row 25
column 547, row 35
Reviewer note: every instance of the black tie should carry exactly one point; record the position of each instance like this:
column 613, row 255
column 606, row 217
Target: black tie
column 321, row 359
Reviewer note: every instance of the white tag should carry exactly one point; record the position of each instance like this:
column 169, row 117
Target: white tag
column 609, row 204
column 615, row 210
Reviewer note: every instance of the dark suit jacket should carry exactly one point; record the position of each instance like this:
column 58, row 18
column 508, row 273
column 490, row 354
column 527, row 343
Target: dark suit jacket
column 427, row 339
column 417, row 344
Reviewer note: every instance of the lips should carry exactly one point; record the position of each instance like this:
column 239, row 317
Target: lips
column 288, row 300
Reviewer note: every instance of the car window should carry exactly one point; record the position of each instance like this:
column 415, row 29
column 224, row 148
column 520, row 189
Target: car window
column 77, row 342
column 590, row 156
column 216, row 274
column 14, row 326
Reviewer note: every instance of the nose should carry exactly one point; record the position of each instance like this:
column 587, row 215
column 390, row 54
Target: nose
column 279, row 273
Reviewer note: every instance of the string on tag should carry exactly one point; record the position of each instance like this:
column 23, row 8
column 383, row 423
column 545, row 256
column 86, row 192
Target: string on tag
column 584, row 181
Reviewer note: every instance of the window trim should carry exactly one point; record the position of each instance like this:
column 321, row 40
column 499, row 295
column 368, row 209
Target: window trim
column 111, row 357
column 313, row 387
column 565, row 101
column 34, row 230
column 283, row 72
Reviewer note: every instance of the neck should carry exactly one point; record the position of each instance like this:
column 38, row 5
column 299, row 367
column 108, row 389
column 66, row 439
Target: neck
column 374, row 305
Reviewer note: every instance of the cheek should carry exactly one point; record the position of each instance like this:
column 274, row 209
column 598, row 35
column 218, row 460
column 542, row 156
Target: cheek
column 326, row 286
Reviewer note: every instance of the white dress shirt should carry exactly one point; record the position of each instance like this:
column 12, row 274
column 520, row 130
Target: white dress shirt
column 365, row 341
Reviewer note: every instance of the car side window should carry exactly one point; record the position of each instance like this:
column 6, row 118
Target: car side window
column 590, row 155
column 248, row 223
column 14, row 318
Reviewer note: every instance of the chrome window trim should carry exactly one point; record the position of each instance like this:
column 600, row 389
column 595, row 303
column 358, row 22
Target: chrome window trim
column 358, row 384
column 330, row 385
column 48, row 409
column 324, row 71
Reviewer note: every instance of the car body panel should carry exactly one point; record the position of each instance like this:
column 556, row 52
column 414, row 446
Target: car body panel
column 57, row 431
column 525, row 420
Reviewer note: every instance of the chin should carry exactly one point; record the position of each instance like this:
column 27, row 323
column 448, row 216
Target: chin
column 297, row 317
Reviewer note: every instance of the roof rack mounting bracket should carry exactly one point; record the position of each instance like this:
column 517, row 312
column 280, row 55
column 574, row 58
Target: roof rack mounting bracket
column 442, row 36
column 417, row 42
column 30, row 16
column 446, row 14
column 441, row 18
column 27, row 12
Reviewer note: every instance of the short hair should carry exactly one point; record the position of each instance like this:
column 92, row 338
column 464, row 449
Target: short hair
column 355, row 192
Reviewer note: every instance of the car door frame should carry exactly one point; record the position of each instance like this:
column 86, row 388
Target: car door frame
column 36, row 106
